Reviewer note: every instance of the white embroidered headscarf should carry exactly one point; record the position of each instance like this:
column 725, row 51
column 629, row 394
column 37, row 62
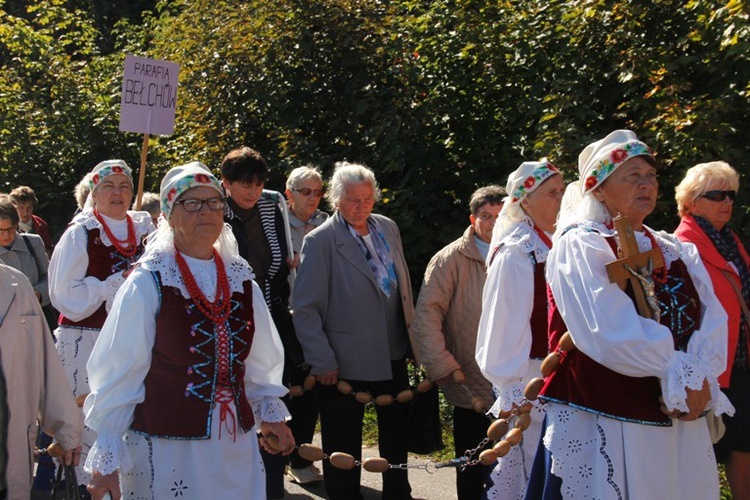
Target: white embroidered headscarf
column 521, row 182
column 596, row 163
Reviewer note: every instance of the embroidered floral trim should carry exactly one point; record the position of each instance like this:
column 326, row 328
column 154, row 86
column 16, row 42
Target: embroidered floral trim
column 616, row 158
column 141, row 220
column 104, row 172
column 238, row 272
column 270, row 409
column 538, row 175
column 108, row 454
column 188, row 182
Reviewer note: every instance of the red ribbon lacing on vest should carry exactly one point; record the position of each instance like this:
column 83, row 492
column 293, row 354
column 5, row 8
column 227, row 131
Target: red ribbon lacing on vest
column 218, row 312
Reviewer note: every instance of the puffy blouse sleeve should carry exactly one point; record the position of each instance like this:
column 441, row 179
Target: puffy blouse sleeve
column 74, row 294
column 117, row 369
column 504, row 335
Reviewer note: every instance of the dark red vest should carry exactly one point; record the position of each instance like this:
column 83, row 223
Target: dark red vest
column 181, row 383
column 539, row 314
column 583, row 383
column 104, row 261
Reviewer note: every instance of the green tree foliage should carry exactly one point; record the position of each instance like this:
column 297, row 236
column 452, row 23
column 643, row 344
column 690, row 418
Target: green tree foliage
column 439, row 97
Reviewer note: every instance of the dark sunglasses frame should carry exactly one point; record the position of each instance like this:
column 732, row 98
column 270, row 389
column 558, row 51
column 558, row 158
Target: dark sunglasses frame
column 718, row 195
column 307, row 192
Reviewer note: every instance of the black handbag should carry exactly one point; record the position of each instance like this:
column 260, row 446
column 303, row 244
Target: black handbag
column 65, row 486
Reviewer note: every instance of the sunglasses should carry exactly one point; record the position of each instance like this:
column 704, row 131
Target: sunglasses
column 307, row 192
column 719, row 195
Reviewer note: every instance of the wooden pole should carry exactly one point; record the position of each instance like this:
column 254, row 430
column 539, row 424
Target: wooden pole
column 142, row 173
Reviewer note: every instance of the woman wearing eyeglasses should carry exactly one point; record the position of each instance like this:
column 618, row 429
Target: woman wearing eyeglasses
column 705, row 199
column 304, row 190
column 189, row 365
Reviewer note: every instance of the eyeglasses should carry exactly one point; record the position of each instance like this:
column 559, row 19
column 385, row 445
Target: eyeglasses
column 8, row 230
column 307, row 192
column 719, row 195
column 194, row 204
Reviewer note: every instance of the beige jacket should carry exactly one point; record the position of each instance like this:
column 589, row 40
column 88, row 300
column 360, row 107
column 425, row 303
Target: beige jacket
column 447, row 317
column 35, row 380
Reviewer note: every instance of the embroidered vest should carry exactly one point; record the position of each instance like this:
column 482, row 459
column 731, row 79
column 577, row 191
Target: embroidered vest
column 583, row 383
column 104, row 261
column 181, row 384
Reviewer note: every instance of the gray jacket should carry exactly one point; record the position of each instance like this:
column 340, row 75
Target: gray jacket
column 19, row 257
column 339, row 315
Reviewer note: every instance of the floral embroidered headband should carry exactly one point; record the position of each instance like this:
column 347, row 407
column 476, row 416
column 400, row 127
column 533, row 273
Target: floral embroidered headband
column 529, row 176
column 107, row 168
column 600, row 159
column 180, row 179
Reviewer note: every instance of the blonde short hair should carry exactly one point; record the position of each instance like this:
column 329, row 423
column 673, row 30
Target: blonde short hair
column 302, row 174
column 702, row 178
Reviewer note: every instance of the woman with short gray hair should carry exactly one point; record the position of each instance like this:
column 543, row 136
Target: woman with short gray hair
column 353, row 311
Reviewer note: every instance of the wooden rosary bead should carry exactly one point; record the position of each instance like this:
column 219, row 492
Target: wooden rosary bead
column 497, row 429
column 523, row 421
column 478, row 405
column 488, row 457
column 56, row 450
column 524, row 408
column 501, row 448
column 384, row 400
column 405, row 396
column 80, row 399
column 505, row 413
column 458, row 377
column 533, row 388
column 566, row 342
column 344, row 387
column 363, row 397
column 375, row 464
column 514, row 436
column 425, row 385
column 310, row 452
column 550, row 364
column 309, row 382
column 342, row 461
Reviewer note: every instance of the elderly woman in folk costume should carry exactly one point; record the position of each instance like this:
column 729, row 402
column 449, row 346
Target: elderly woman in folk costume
column 189, row 364
column 88, row 266
column 622, row 409
column 512, row 335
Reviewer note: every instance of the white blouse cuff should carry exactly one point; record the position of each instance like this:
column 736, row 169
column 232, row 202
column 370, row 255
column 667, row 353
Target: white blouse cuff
column 689, row 371
column 108, row 454
column 270, row 409
column 507, row 396
column 111, row 285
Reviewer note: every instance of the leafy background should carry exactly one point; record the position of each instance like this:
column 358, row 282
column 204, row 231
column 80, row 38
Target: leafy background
column 439, row 97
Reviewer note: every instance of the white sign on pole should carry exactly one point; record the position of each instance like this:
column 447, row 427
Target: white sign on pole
column 149, row 96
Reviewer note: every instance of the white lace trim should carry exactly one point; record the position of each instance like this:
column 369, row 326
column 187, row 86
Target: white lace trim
column 524, row 236
column 506, row 397
column 108, row 454
column 142, row 224
column 238, row 272
column 111, row 286
column 270, row 409
column 689, row 371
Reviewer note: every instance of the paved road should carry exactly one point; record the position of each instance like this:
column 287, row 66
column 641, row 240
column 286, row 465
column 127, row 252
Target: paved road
column 438, row 486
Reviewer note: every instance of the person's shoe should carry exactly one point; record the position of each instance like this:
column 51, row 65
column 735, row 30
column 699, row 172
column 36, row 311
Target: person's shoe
column 305, row 475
